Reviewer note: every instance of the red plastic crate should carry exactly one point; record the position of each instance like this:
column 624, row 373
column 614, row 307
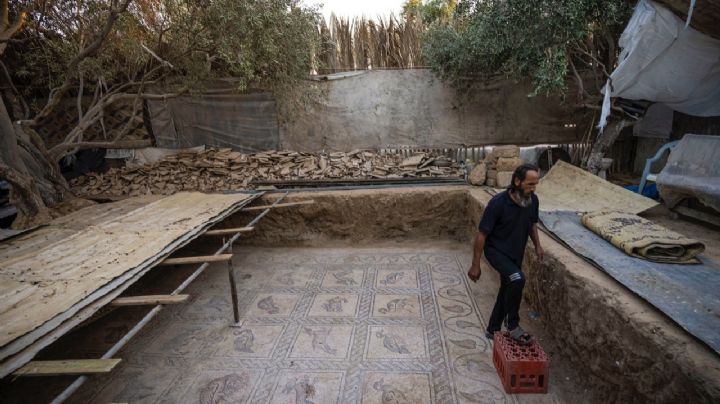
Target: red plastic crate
column 522, row 368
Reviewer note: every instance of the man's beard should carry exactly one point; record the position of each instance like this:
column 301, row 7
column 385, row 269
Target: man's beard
column 523, row 199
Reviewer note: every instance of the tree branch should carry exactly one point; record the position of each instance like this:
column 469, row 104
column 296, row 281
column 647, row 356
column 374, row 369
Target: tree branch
column 4, row 19
column 118, row 144
column 80, row 95
column 25, row 106
column 594, row 59
column 95, row 112
column 158, row 58
column 57, row 93
column 578, row 80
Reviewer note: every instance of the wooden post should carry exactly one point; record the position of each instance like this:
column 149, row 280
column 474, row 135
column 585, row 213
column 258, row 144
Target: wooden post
column 233, row 288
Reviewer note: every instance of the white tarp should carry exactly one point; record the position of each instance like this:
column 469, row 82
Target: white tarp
column 664, row 61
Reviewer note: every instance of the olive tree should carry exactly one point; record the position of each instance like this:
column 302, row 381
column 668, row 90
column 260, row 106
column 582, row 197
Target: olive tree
column 119, row 50
column 563, row 47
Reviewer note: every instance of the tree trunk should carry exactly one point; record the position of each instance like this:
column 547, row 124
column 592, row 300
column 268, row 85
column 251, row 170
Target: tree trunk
column 24, row 192
column 603, row 143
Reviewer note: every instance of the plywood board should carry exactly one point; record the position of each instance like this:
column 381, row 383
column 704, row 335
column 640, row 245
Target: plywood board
column 569, row 188
column 149, row 300
column 45, row 285
column 67, row 367
column 197, row 260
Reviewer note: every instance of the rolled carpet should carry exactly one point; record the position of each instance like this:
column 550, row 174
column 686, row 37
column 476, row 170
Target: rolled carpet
column 642, row 238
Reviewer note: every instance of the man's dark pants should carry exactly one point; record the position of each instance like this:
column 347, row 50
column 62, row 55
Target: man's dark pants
column 512, row 281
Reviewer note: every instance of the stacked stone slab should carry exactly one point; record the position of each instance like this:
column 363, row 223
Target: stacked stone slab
column 217, row 170
column 500, row 164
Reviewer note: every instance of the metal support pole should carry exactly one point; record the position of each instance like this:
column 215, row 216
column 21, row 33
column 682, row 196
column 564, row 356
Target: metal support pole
column 233, row 288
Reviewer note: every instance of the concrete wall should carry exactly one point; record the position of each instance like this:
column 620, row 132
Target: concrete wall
column 413, row 107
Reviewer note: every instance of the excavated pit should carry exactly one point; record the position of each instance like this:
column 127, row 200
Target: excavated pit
column 605, row 343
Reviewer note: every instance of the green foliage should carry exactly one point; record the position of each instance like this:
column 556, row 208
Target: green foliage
column 429, row 11
column 260, row 43
column 266, row 43
column 536, row 39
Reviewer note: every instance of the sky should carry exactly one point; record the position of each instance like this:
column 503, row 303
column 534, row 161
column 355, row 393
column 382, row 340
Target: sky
column 356, row 8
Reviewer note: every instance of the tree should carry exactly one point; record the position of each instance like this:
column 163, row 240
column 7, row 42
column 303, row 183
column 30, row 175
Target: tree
column 115, row 51
column 557, row 44
column 429, row 11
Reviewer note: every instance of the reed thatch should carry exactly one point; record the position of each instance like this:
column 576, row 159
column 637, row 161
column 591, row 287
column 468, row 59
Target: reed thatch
column 361, row 44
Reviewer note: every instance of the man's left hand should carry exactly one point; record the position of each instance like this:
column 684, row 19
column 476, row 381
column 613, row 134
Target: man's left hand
column 540, row 253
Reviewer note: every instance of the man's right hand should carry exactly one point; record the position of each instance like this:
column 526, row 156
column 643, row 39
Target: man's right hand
column 474, row 272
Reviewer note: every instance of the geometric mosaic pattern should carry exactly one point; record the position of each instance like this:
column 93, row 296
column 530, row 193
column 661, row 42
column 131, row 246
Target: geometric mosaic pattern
column 318, row 326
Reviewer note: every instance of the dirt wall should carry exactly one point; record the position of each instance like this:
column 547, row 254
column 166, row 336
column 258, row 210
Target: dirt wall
column 363, row 216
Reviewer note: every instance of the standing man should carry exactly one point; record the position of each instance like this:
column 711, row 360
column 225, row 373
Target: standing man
column 509, row 218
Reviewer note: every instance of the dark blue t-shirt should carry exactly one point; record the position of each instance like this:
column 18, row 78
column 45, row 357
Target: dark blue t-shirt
column 506, row 225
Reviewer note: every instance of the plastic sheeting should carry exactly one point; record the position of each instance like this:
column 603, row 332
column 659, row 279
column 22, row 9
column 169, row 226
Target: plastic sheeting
column 657, row 122
column 243, row 122
column 692, row 170
column 686, row 293
column 664, row 61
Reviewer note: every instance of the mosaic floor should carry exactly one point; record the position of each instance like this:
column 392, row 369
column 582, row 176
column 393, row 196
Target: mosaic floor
column 318, row 326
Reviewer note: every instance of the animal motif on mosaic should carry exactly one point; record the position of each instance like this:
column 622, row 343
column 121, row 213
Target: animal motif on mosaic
column 397, row 305
column 392, row 278
column 182, row 343
column 244, row 341
column 319, row 340
column 344, row 278
column 216, row 303
column 224, row 390
column 304, row 390
column 390, row 395
column 268, row 305
column 393, row 342
column 334, row 305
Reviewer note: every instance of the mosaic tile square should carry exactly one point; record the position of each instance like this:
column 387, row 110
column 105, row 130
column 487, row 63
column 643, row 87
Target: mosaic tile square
column 331, row 341
column 334, row 305
column 343, row 278
column 307, row 387
column 396, row 342
column 249, row 341
column 273, row 305
column 396, row 278
column 396, row 306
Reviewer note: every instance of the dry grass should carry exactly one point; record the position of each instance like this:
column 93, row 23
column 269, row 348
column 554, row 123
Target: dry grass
column 361, row 44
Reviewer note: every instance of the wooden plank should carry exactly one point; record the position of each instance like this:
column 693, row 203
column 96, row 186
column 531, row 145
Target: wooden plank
column 279, row 205
column 67, row 367
column 197, row 260
column 149, row 300
column 224, row 232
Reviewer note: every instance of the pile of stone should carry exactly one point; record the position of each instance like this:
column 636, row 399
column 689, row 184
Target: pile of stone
column 497, row 168
column 223, row 169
